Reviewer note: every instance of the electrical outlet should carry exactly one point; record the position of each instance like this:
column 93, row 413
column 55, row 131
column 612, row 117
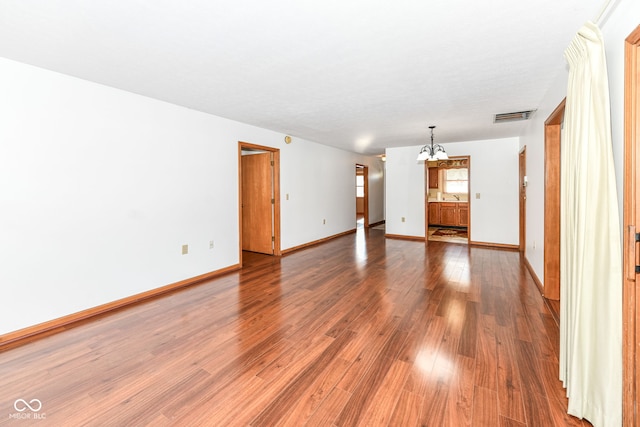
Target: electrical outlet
column 287, row 196
column 477, row 195
column 402, row 219
column 185, row 249
column 210, row 244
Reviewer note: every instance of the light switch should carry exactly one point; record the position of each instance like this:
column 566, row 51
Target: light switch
column 477, row 195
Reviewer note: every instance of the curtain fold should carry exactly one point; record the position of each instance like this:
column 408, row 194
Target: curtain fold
column 590, row 254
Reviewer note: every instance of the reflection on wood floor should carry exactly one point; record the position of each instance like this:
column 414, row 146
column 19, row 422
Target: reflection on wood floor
column 360, row 330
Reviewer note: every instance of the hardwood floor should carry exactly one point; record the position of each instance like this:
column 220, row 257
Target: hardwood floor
column 360, row 330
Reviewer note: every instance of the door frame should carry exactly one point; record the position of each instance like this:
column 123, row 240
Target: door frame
column 630, row 296
column 276, row 195
column 552, row 143
column 365, row 174
column 522, row 170
column 426, row 197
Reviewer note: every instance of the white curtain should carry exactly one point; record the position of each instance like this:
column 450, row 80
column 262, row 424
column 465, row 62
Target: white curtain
column 590, row 255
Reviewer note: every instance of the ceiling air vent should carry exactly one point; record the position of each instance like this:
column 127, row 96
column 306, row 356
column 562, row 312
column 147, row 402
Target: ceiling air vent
column 512, row 117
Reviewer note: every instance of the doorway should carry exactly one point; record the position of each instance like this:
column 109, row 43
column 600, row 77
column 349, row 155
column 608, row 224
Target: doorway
column 631, row 297
column 552, row 143
column 259, row 199
column 447, row 203
column 523, row 198
column 362, row 196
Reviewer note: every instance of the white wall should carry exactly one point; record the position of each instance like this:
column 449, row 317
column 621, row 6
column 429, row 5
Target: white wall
column 404, row 192
column 376, row 190
column 622, row 19
column 101, row 188
column 533, row 139
column 615, row 29
column 494, row 174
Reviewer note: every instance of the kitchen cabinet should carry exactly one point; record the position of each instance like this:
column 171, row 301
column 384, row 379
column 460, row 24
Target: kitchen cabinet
column 463, row 214
column 433, row 177
column 448, row 213
column 434, row 213
column 455, row 214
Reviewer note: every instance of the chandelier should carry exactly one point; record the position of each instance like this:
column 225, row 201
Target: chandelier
column 432, row 152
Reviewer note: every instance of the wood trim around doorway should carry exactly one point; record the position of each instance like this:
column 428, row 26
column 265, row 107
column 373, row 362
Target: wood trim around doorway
column 552, row 133
column 277, row 251
column 630, row 296
column 365, row 174
column 426, row 198
column 522, row 196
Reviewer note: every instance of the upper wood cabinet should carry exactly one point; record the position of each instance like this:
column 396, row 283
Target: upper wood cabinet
column 433, row 177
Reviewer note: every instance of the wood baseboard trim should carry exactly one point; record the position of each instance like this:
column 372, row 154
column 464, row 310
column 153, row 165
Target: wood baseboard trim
column 375, row 224
column 534, row 276
column 496, row 245
column 317, row 242
column 555, row 313
column 403, row 237
column 32, row 333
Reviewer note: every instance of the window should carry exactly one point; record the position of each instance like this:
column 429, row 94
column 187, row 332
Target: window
column 359, row 186
column 456, row 180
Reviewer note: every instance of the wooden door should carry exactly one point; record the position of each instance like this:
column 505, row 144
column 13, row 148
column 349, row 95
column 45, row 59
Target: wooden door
column 257, row 203
column 523, row 198
column 631, row 250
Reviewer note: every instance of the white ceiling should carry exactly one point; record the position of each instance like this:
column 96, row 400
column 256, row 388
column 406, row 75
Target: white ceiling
column 362, row 75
